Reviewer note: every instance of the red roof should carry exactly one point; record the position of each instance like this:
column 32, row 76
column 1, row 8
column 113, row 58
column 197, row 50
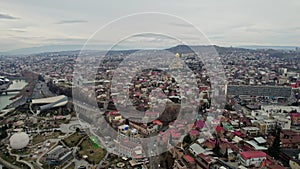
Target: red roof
column 189, row 159
column 113, row 113
column 219, row 129
column 238, row 133
column 252, row 154
column 157, row 122
column 176, row 135
column 206, row 158
column 293, row 140
column 294, row 114
column 289, row 132
column 194, row 132
column 200, row 124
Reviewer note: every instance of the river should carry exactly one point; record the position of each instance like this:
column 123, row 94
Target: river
column 4, row 99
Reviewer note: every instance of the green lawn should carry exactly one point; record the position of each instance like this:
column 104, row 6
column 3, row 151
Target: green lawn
column 21, row 152
column 7, row 157
column 95, row 141
column 12, row 160
column 95, row 154
column 41, row 137
column 73, row 139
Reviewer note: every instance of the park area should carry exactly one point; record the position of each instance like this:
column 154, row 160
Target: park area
column 73, row 139
column 45, row 136
column 91, row 151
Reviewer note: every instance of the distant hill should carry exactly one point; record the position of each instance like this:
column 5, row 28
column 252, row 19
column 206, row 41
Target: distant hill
column 180, row 49
column 42, row 49
column 269, row 47
column 54, row 48
column 124, row 50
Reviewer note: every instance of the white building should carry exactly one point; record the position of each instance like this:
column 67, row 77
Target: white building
column 284, row 123
column 270, row 125
column 253, row 131
column 255, row 158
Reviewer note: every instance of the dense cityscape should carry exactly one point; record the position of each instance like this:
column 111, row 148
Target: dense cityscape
column 63, row 116
column 169, row 84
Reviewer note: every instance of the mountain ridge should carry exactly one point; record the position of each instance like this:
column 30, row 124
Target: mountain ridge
column 182, row 48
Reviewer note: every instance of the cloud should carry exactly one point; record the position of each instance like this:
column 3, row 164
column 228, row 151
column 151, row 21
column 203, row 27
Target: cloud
column 17, row 30
column 181, row 24
column 71, row 21
column 7, row 16
column 150, row 37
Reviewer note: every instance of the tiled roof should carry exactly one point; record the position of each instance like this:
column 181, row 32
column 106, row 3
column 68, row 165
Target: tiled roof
column 253, row 154
column 189, row 159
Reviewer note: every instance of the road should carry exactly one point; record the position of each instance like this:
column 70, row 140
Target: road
column 18, row 158
column 39, row 158
column 7, row 164
column 40, row 90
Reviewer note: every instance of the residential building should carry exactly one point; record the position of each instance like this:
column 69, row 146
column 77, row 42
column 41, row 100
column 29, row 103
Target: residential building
column 270, row 125
column 204, row 161
column 252, row 131
column 252, row 158
column 295, row 118
column 283, row 122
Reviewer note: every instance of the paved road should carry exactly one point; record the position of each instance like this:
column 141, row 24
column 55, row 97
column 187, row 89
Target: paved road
column 41, row 90
column 67, row 128
column 18, row 158
column 38, row 159
column 7, row 164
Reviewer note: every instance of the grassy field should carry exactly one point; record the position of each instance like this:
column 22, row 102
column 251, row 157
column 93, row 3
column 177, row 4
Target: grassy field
column 8, row 158
column 12, row 160
column 95, row 141
column 41, row 137
column 95, row 154
column 21, row 152
column 73, row 139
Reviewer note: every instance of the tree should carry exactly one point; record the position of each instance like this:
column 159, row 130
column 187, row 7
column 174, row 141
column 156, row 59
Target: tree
column 187, row 139
column 41, row 78
column 229, row 107
column 3, row 133
column 127, row 121
column 216, row 149
column 274, row 150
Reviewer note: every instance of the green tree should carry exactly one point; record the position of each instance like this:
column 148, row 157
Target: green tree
column 216, row 149
column 274, row 150
column 187, row 140
column 229, row 107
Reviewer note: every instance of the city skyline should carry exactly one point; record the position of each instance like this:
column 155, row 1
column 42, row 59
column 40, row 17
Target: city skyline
column 230, row 23
column 150, row 84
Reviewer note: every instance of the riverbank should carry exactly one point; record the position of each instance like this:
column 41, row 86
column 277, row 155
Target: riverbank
column 20, row 98
column 6, row 100
column 27, row 91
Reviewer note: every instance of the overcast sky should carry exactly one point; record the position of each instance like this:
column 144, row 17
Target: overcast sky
column 225, row 22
